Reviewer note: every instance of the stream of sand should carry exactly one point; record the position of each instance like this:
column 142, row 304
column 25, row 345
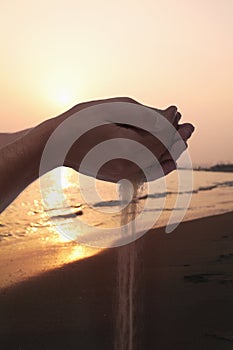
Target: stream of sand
column 128, row 272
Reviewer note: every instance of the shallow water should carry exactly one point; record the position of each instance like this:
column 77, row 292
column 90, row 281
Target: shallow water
column 26, row 217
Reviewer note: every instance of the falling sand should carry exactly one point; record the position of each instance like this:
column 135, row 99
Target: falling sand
column 128, row 271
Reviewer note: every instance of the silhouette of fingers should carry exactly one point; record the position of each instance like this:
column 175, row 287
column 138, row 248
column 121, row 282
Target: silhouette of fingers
column 185, row 130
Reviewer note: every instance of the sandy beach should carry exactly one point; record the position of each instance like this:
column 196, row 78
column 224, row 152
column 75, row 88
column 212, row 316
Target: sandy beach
column 185, row 285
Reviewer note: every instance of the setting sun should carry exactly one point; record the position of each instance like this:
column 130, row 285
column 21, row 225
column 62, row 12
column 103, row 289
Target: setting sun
column 62, row 95
column 64, row 98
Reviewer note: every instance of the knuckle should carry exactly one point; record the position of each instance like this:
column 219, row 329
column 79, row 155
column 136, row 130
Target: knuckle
column 127, row 99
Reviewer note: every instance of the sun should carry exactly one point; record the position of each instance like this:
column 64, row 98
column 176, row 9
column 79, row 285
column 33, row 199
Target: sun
column 60, row 93
column 63, row 97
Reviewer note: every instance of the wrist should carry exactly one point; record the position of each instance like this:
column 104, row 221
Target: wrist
column 34, row 144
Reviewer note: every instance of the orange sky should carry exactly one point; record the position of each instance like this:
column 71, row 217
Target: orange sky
column 55, row 54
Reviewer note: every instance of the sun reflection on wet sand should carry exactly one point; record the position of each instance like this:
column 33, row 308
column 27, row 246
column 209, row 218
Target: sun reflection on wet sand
column 40, row 254
column 40, row 247
column 81, row 252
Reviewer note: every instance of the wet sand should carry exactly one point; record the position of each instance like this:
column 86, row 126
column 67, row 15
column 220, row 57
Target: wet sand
column 186, row 295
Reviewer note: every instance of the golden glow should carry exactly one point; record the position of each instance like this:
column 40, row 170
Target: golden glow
column 68, row 177
column 81, row 252
column 180, row 54
column 60, row 91
column 63, row 98
column 61, row 178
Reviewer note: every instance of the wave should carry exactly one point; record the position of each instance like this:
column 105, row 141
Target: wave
column 67, row 216
column 113, row 203
column 216, row 185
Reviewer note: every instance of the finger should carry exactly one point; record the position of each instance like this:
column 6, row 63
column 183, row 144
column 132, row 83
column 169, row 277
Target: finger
column 177, row 119
column 175, row 152
column 168, row 166
column 166, row 156
column 169, row 158
column 160, row 171
column 179, row 146
column 186, row 130
column 170, row 113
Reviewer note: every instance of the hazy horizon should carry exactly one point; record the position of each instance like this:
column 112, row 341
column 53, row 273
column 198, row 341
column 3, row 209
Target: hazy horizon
column 165, row 52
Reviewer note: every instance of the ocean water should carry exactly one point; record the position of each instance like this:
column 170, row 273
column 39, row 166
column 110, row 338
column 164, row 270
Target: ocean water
column 27, row 217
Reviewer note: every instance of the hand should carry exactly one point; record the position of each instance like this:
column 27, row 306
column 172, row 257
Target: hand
column 22, row 154
column 119, row 168
column 185, row 131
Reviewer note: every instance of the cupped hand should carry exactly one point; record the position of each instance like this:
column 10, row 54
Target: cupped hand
column 111, row 127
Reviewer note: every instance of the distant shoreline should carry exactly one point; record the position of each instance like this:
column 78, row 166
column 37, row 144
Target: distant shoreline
column 223, row 168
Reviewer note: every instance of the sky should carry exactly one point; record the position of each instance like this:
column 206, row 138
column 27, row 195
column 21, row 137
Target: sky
column 55, row 54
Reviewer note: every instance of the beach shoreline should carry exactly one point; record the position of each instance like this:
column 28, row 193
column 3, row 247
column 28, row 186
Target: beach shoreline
column 186, row 282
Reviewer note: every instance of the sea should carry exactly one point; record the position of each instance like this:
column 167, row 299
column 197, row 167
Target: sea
column 63, row 201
